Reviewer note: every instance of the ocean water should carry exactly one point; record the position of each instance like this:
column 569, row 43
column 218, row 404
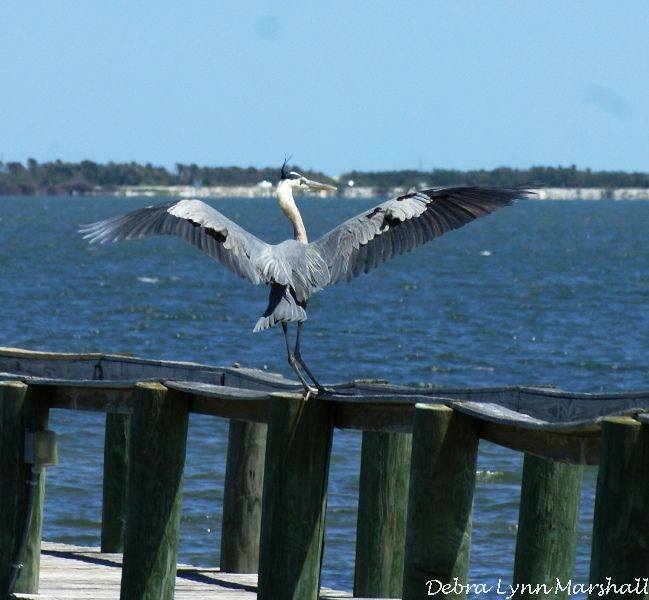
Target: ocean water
column 540, row 293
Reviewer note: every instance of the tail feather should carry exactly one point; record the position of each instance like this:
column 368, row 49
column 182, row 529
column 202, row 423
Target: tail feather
column 282, row 306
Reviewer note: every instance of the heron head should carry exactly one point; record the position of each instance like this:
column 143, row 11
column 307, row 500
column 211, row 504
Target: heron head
column 297, row 181
column 300, row 182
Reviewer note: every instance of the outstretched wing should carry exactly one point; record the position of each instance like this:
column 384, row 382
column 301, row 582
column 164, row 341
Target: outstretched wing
column 403, row 223
column 200, row 225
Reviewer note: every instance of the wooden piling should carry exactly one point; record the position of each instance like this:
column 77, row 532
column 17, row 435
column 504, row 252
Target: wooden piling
column 244, row 477
column 442, row 483
column 295, row 498
column 382, row 505
column 21, row 408
column 157, row 457
column 620, row 548
column 113, row 512
column 547, row 525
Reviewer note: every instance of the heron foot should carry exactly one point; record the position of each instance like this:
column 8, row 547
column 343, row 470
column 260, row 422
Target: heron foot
column 310, row 392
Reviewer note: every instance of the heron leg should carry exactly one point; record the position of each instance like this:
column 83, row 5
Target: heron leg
column 292, row 361
column 298, row 357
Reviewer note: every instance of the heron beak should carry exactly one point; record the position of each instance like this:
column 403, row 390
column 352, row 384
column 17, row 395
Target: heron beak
column 316, row 186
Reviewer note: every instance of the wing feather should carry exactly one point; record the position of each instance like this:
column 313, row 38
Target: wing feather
column 401, row 224
column 199, row 224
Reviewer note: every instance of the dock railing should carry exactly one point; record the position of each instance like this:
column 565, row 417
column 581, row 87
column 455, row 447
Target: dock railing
column 417, row 479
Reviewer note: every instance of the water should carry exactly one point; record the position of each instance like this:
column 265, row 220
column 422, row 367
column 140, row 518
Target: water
column 539, row 293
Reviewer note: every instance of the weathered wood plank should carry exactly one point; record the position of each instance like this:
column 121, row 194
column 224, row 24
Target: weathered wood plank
column 295, row 498
column 440, row 502
column 547, row 525
column 382, row 506
column 244, row 478
column 72, row 573
column 95, row 396
column 395, row 418
column 570, row 448
column 61, row 365
column 157, row 457
column 21, row 408
column 115, row 482
column 226, row 401
column 256, row 379
column 218, row 392
column 495, row 413
column 620, row 547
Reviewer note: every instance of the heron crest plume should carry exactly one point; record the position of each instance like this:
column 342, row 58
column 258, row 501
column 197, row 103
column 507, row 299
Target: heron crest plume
column 282, row 174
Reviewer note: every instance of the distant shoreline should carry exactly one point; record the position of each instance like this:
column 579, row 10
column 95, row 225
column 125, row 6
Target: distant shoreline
column 58, row 178
column 255, row 191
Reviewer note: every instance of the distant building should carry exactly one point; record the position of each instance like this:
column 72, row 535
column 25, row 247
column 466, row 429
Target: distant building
column 265, row 187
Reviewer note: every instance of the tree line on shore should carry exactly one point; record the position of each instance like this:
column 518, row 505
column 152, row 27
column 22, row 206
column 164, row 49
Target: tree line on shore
column 85, row 177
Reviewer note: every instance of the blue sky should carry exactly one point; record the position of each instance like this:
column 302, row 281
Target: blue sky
column 339, row 85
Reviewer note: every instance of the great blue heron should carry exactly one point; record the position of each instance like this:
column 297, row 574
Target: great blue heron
column 295, row 269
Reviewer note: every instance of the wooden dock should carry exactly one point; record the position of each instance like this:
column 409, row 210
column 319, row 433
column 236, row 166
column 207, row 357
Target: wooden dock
column 85, row 573
column 417, row 479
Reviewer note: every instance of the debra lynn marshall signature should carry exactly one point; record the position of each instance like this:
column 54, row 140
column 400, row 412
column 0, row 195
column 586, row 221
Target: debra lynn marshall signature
column 509, row 592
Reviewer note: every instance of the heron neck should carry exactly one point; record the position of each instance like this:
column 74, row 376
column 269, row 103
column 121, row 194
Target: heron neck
column 299, row 231
column 288, row 206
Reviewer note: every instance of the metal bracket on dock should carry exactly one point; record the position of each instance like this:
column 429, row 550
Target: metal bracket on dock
column 40, row 449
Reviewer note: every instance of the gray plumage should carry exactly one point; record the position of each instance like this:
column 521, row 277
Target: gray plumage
column 295, row 270
column 401, row 224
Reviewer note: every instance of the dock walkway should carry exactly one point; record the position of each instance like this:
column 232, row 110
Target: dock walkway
column 83, row 573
